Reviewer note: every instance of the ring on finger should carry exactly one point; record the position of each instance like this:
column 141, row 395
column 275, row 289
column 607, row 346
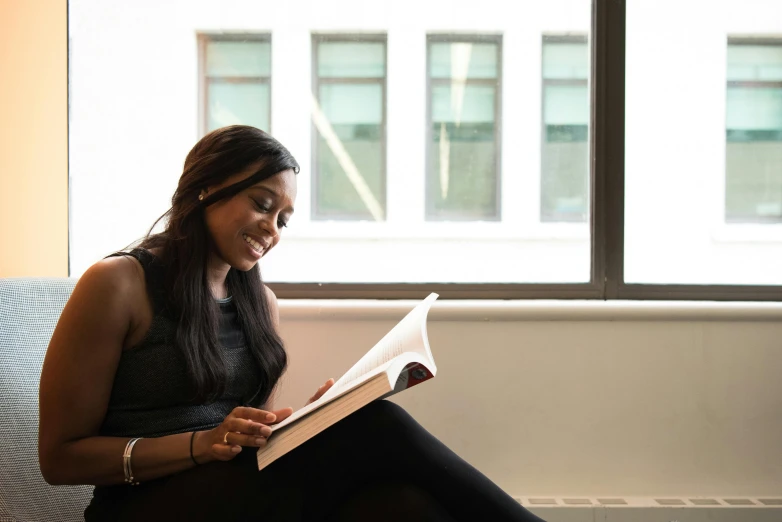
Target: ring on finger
column 225, row 437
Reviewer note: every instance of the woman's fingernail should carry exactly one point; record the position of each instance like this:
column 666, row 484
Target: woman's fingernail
column 236, row 449
column 270, row 417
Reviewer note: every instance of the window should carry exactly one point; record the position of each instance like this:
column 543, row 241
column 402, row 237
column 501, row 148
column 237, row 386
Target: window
column 236, row 72
column 565, row 143
column 461, row 152
column 349, row 158
column 753, row 163
column 463, row 160
column 699, row 211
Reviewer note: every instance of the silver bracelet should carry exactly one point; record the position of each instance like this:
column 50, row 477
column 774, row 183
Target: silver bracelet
column 126, row 461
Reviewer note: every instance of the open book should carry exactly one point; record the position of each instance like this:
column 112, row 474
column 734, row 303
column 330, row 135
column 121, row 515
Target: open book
column 399, row 361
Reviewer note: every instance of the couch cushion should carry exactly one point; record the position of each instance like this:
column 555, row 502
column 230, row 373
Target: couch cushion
column 29, row 310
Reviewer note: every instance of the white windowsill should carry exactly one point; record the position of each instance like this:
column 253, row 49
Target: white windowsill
column 532, row 310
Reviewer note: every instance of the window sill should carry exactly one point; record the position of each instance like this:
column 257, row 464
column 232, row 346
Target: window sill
column 532, row 310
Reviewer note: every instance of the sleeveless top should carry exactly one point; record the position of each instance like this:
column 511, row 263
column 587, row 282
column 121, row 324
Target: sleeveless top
column 152, row 395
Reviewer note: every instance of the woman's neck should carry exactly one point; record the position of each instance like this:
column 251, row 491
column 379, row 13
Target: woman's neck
column 216, row 272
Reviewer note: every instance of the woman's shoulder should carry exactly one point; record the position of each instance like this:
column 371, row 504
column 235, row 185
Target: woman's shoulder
column 118, row 275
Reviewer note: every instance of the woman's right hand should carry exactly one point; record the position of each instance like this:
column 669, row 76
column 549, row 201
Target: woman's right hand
column 242, row 427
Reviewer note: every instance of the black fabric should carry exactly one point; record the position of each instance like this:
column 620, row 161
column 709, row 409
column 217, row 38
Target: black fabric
column 152, row 395
column 378, row 464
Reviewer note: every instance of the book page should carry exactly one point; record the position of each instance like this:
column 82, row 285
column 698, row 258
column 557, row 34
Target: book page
column 409, row 335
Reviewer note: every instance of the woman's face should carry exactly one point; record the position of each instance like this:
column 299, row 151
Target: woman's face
column 246, row 226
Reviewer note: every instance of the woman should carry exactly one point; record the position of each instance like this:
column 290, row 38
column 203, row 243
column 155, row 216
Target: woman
column 158, row 380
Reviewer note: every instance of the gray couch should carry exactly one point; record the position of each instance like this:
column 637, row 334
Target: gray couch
column 29, row 309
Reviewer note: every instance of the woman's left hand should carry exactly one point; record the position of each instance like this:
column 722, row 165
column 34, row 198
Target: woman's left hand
column 319, row 393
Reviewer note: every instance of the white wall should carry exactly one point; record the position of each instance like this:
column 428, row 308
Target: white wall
column 581, row 399
column 134, row 116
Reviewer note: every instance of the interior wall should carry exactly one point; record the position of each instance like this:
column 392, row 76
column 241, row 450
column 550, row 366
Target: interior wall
column 33, row 138
column 631, row 408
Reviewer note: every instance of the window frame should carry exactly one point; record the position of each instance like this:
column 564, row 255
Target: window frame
column 316, row 40
column 754, row 84
column 203, row 39
column 432, row 38
column 607, row 204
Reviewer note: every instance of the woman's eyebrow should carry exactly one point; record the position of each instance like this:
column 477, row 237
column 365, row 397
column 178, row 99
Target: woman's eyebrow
column 267, row 189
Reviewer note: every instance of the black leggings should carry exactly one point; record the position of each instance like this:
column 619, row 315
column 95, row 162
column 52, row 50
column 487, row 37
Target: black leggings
column 377, row 464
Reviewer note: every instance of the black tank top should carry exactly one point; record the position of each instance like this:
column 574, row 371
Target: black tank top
column 152, row 395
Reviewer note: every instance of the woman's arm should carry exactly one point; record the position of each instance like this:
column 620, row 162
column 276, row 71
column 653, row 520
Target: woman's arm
column 76, row 381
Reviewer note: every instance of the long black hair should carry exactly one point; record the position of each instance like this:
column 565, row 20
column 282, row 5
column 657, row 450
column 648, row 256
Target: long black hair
column 184, row 247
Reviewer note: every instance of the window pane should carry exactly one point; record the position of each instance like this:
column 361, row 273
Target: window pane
column 349, row 150
column 754, row 108
column 462, row 180
column 420, row 150
column 753, row 168
column 565, row 60
column 755, row 62
column 238, row 103
column 463, row 60
column 353, row 158
column 566, row 105
column 243, row 59
column 351, row 60
column 565, row 151
column 703, row 184
column 352, row 103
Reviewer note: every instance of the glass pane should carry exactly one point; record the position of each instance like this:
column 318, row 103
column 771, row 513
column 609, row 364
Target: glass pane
column 703, row 183
column 754, row 108
column 238, row 103
column 566, row 105
column 238, row 59
column 352, row 103
column 424, row 154
column 754, row 183
column 565, row 173
column 459, row 103
column 462, row 179
column 753, row 167
column 565, row 60
column 755, row 62
column 351, row 161
column 565, row 152
column 351, row 60
column 463, row 60
column 338, row 195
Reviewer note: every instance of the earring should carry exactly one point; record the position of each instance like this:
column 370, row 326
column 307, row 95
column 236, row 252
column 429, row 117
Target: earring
column 201, row 195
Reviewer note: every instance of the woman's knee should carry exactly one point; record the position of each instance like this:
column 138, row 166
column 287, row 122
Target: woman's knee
column 385, row 416
column 385, row 411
